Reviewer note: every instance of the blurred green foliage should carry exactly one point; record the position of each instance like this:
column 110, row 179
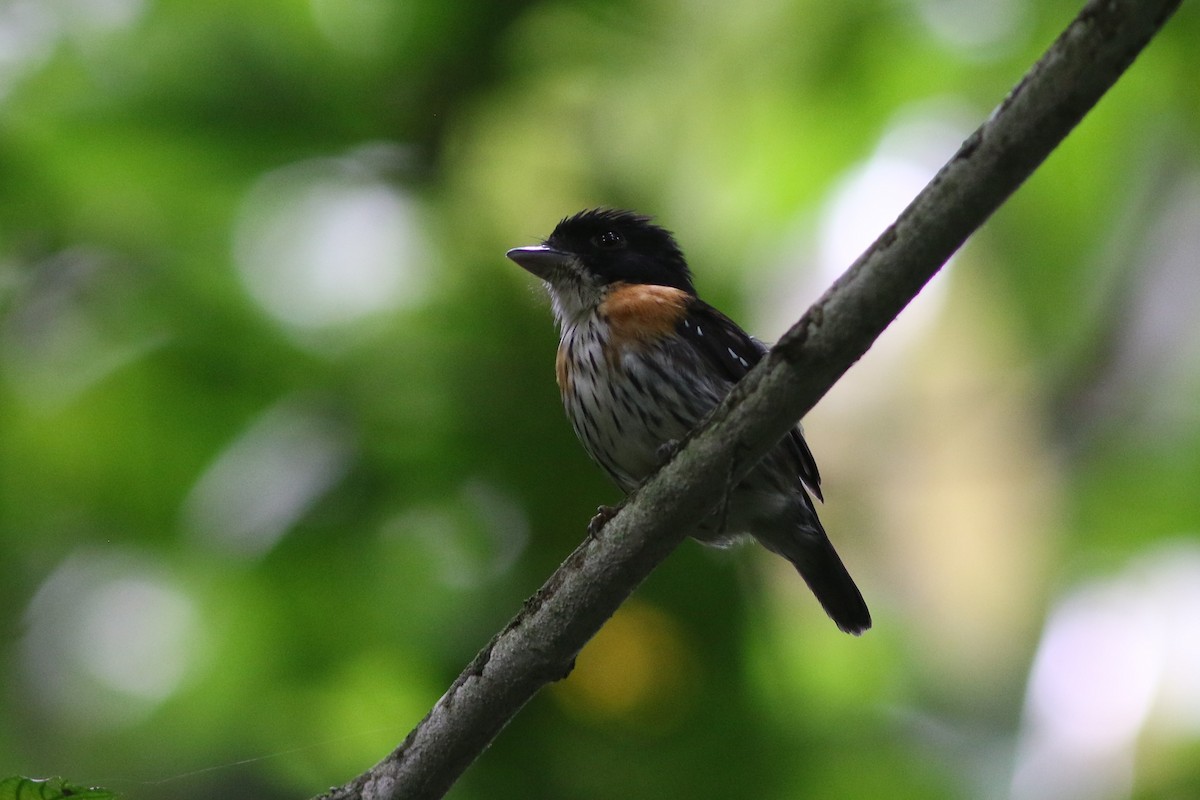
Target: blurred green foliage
column 280, row 446
column 49, row 789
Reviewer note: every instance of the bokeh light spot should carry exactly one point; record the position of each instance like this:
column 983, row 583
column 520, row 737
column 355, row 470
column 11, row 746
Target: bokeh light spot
column 266, row 479
column 134, row 636
column 1119, row 657
column 326, row 243
column 637, row 667
column 109, row 636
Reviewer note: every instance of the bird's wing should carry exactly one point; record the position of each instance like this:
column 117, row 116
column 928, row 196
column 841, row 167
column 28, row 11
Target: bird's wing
column 732, row 352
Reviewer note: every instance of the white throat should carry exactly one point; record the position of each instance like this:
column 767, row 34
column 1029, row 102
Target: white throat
column 574, row 297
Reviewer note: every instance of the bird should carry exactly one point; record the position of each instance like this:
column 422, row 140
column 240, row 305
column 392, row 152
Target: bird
column 642, row 360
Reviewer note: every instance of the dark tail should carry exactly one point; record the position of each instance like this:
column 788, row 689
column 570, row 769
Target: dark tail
column 826, row 575
column 813, row 556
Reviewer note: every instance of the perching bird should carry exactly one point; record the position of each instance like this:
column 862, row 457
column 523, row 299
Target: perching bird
column 641, row 360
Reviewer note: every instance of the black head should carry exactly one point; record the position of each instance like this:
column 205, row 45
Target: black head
column 622, row 246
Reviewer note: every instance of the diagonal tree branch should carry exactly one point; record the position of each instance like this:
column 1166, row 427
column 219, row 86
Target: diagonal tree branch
column 539, row 645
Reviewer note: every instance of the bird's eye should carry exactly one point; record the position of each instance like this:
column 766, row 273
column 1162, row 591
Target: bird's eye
column 609, row 240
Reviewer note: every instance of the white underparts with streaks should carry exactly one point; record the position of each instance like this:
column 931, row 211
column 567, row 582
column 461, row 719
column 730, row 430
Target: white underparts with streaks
column 624, row 407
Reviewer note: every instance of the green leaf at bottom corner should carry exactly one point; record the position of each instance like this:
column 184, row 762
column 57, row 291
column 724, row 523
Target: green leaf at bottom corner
column 18, row 788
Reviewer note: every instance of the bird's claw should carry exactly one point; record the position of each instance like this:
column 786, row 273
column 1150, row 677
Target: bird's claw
column 603, row 515
column 667, row 450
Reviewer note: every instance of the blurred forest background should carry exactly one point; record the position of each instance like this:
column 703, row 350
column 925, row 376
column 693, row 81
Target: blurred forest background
column 280, row 446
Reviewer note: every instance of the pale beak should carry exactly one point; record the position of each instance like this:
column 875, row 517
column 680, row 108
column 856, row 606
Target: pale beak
column 541, row 260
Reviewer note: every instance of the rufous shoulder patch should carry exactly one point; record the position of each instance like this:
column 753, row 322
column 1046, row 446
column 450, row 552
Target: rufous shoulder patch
column 639, row 313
